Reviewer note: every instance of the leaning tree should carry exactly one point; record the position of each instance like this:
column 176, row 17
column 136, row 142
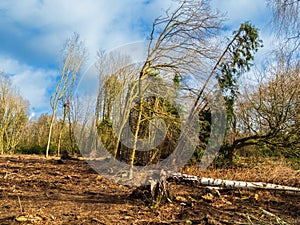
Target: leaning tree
column 73, row 56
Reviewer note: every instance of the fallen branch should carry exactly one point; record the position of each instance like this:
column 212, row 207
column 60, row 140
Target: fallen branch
column 278, row 219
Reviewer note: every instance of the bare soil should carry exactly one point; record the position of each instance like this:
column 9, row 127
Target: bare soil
column 35, row 190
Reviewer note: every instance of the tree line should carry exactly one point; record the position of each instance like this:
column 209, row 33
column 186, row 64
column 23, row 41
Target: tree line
column 262, row 111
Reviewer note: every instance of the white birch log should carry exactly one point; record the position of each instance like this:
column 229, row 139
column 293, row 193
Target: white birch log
column 227, row 184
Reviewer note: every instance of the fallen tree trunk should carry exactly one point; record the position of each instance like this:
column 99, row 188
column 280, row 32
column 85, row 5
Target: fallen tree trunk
column 227, row 184
column 157, row 191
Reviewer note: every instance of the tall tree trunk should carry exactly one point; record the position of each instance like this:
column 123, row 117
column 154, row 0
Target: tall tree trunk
column 71, row 135
column 50, row 133
column 1, row 144
column 136, row 136
column 129, row 99
column 61, row 129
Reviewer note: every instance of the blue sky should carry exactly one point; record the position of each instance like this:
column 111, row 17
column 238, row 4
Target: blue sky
column 33, row 31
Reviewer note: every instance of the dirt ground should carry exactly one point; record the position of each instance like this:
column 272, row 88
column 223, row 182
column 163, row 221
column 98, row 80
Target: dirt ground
column 35, row 190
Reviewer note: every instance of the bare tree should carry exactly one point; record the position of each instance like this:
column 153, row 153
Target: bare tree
column 83, row 124
column 269, row 114
column 73, row 57
column 179, row 44
column 286, row 20
column 116, row 95
column 13, row 115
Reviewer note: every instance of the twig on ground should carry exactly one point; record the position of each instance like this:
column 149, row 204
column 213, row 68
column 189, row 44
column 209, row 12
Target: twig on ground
column 20, row 204
column 278, row 219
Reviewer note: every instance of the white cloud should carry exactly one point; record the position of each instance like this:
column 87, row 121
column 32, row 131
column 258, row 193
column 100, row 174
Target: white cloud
column 33, row 31
column 103, row 24
column 31, row 82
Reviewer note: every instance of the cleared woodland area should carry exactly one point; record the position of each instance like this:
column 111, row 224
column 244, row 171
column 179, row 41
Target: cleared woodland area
column 35, row 190
column 196, row 100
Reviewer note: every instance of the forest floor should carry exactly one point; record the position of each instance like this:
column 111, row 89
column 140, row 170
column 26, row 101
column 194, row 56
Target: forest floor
column 35, row 190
